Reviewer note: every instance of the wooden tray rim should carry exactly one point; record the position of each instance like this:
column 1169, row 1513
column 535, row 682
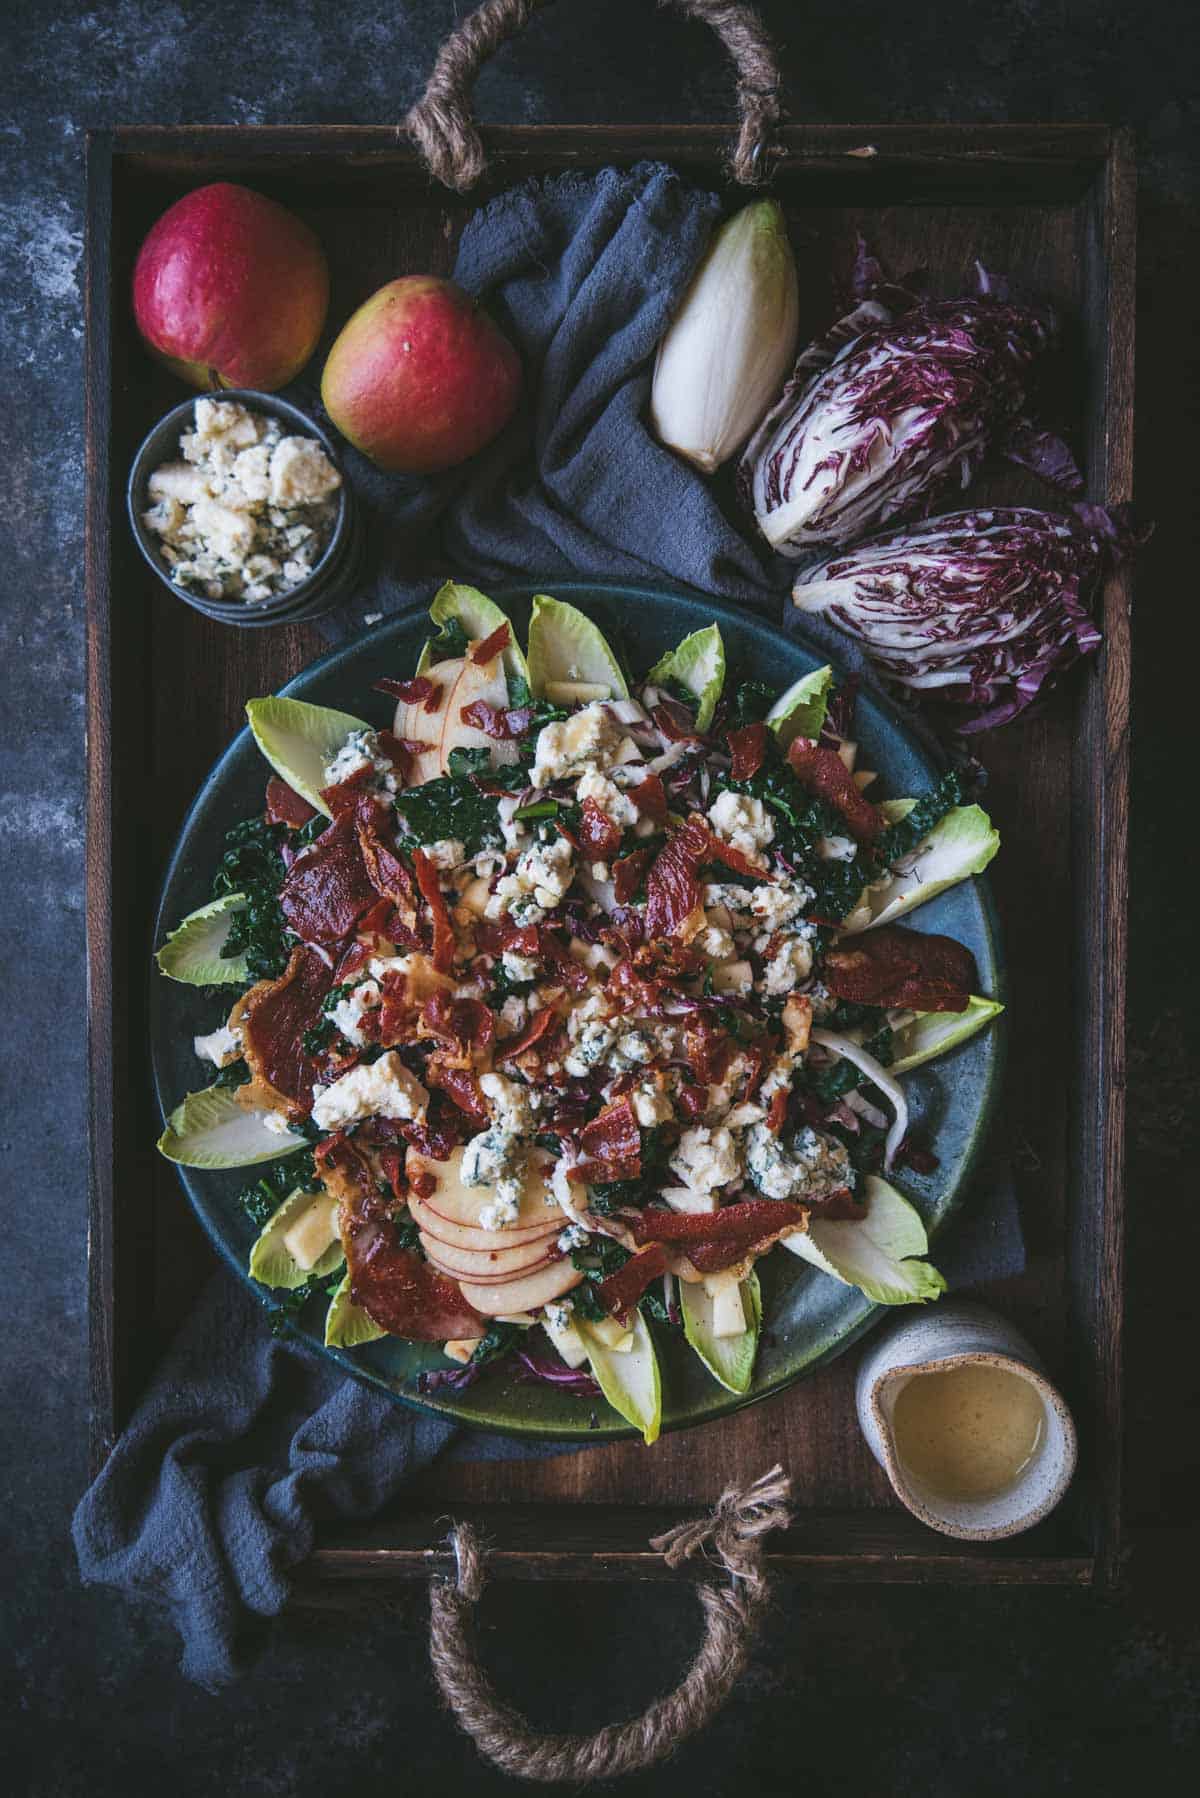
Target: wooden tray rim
column 1104, row 155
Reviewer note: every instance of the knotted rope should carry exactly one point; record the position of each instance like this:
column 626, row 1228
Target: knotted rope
column 734, row 1528
column 441, row 125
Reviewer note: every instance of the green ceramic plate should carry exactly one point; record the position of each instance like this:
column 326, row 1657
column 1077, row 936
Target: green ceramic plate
column 808, row 1318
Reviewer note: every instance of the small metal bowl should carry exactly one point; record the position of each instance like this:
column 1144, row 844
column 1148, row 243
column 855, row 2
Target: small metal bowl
column 334, row 575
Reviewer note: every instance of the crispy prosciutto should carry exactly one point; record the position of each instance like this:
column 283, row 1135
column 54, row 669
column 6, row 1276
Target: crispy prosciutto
column 431, row 892
column 650, row 797
column 465, row 1025
column 748, row 747
column 894, row 966
column 672, row 890
column 504, row 724
column 386, row 872
column 327, row 888
column 274, row 1016
column 420, row 691
column 461, row 1086
column 399, row 1290
column 629, row 872
column 490, row 647
column 620, row 1291
column 285, row 806
column 747, row 1221
column 823, row 772
column 535, row 1029
column 599, row 837
column 611, row 1145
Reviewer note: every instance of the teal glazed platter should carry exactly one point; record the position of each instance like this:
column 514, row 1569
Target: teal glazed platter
column 808, row 1317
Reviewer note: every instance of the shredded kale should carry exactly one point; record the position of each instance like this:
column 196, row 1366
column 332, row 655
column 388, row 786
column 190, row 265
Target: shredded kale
column 407, row 1233
column 261, row 1201
column 286, row 1305
column 498, row 1341
column 653, row 1304
column 902, row 838
column 319, row 1037
column 451, row 641
column 251, row 864
column 452, row 807
column 234, row 1073
column 752, row 701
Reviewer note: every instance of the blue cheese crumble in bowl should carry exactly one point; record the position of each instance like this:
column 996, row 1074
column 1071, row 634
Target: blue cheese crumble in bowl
column 238, row 504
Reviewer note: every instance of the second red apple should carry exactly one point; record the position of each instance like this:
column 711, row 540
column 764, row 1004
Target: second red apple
column 420, row 378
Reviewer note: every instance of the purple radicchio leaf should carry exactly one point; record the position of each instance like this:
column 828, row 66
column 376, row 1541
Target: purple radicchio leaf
column 556, row 1373
column 449, row 1379
column 981, row 610
column 877, row 428
column 1046, row 455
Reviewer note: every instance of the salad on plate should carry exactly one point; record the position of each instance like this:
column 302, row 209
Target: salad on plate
column 567, row 999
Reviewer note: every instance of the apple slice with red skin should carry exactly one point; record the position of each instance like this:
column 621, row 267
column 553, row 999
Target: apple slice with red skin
column 464, row 1236
column 459, row 1204
column 491, row 1281
column 462, row 682
column 508, row 1297
column 476, row 1264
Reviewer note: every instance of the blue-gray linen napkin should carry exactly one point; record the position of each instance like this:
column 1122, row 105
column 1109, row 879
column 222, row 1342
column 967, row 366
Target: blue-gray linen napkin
column 243, row 1445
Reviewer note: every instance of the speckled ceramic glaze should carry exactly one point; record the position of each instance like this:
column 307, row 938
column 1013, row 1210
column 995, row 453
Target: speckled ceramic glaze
column 960, row 1334
column 808, row 1317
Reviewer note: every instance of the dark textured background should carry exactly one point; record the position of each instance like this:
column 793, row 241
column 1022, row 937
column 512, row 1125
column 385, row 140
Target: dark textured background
column 898, row 1691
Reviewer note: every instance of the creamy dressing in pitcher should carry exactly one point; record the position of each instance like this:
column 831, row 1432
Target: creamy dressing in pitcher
column 968, row 1432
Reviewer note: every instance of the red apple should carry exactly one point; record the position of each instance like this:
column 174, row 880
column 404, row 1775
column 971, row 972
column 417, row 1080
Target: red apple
column 420, row 378
column 231, row 289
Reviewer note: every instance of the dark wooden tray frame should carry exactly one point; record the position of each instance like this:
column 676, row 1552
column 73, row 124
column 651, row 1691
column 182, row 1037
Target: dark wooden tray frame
column 1087, row 168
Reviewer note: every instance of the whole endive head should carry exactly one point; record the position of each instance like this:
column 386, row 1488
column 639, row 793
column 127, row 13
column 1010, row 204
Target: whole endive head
column 892, row 410
column 731, row 342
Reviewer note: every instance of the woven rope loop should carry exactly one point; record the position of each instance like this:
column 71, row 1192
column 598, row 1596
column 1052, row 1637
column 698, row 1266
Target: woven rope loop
column 443, row 129
column 733, row 1533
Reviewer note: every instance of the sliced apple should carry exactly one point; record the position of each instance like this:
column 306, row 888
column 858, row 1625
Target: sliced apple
column 493, row 1280
column 526, row 1294
column 474, row 1264
column 465, row 1236
column 459, row 1204
column 462, row 683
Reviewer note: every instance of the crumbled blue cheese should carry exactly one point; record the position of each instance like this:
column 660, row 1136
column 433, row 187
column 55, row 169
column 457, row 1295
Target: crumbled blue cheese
column 775, row 906
column 715, row 942
column 359, row 751
column 541, row 878
column 509, row 1103
column 248, row 512
column 791, row 964
column 632, row 1049
column 651, row 1107
column 348, row 1013
column 379, row 1088
column 837, row 849
column 446, row 855
column 575, row 1236
column 587, row 742
column 223, row 1046
column 518, row 967
column 617, row 806
column 706, row 1159
column 496, row 1158
column 815, row 1164
column 593, row 1040
column 744, row 823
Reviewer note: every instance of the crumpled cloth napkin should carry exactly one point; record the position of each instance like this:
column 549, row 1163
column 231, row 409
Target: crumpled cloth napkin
column 242, row 1446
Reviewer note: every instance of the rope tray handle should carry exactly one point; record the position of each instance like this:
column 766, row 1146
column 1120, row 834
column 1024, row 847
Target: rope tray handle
column 442, row 127
column 734, row 1531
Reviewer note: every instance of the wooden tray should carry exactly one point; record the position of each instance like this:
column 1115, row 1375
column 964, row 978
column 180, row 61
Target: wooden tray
column 1055, row 207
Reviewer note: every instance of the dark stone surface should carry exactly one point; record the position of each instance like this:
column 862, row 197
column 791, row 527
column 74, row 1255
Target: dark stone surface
column 896, row 1691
